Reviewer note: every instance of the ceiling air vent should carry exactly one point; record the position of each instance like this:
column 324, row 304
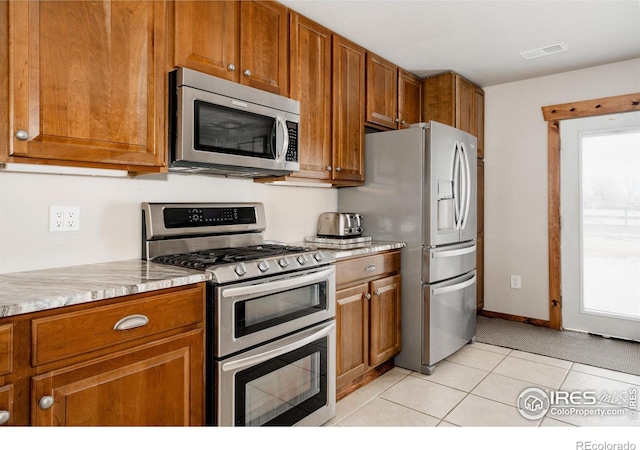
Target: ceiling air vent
column 544, row 51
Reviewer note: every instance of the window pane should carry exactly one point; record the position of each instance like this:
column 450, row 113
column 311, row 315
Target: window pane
column 611, row 224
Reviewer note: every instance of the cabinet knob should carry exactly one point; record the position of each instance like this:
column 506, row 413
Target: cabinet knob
column 398, row 120
column 367, row 296
column 22, row 135
column 247, row 73
column 377, row 292
column 329, row 167
column 231, row 68
column 46, row 402
column 338, row 169
column 4, row 416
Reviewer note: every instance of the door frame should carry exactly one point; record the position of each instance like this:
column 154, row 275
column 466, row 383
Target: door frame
column 553, row 115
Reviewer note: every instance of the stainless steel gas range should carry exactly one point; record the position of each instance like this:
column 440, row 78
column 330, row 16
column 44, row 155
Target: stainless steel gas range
column 271, row 339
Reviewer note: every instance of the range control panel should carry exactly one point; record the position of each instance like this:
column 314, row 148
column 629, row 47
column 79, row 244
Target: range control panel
column 194, row 217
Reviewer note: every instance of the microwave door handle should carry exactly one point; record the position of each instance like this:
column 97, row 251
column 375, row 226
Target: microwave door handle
column 250, row 361
column 281, row 153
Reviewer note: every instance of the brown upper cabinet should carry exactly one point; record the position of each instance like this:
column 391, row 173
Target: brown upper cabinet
column 310, row 84
column 453, row 100
column 86, row 83
column 327, row 76
column 393, row 95
column 348, row 105
column 382, row 92
column 242, row 41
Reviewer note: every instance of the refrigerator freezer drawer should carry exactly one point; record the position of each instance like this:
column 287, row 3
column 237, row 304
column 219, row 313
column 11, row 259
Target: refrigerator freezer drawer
column 442, row 263
column 449, row 318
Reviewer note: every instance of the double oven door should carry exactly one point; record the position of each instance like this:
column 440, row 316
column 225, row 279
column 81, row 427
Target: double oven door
column 271, row 350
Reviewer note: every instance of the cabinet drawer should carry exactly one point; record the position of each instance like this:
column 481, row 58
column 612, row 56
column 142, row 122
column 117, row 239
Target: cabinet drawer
column 357, row 269
column 6, row 348
column 65, row 335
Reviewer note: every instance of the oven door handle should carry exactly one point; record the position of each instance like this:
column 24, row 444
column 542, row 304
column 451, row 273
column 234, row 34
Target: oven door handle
column 256, row 290
column 243, row 363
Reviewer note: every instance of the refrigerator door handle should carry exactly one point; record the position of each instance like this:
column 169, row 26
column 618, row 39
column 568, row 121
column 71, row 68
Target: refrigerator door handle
column 467, row 186
column 456, row 186
column 458, row 252
column 455, row 287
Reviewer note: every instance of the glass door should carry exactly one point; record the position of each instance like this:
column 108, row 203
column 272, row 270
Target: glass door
column 601, row 225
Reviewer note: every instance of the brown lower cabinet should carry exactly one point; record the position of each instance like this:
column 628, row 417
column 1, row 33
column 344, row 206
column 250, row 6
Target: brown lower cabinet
column 368, row 301
column 132, row 361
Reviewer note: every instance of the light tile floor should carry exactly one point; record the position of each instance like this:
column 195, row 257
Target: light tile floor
column 478, row 387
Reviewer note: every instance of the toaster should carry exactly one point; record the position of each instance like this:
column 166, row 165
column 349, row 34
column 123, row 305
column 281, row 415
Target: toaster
column 339, row 225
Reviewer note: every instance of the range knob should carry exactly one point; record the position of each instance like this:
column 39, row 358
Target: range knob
column 283, row 262
column 240, row 269
column 302, row 259
column 263, row 266
column 318, row 256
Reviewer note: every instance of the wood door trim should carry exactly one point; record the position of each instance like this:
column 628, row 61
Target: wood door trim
column 553, row 115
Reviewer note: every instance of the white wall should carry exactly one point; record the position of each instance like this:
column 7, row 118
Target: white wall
column 110, row 214
column 516, row 237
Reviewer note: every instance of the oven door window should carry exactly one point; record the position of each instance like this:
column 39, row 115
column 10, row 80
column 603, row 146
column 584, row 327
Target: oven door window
column 264, row 312
column 283, row 390
column 220, row 129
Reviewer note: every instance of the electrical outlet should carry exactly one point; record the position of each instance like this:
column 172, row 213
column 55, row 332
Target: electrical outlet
column 64, row 218
column 516, row 282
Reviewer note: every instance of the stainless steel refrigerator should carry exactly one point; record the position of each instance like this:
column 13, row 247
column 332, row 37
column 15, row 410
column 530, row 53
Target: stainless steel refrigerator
column 421, row 189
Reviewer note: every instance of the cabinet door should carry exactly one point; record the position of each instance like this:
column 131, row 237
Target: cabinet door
column 465, row 106
column 6, row 405
column 385, row 319
column 348, row 106
column 480, row 273
column 207, row 37
column 409, row 98
column 352, row 317
column 88, row 83
column 438, row 99
column 382, row 92
column 479, row 104
column 310, row 62
column 160, row 383
column 263, row 45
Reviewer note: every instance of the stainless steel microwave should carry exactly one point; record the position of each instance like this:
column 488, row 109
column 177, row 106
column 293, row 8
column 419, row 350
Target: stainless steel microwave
column 220, row 127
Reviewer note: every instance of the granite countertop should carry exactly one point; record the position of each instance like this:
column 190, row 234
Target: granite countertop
column 37, row 290
column 343, row 248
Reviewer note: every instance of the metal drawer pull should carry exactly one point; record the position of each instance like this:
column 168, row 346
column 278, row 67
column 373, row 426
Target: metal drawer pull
column 458, row 252
column 133, row 321
column 370, row 268
column 46, row 402
column 4, row 416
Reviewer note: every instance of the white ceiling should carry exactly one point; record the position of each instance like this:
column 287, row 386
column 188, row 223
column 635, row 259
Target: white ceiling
column 482, row 39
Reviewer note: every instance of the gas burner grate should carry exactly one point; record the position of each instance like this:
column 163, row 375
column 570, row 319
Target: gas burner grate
column 204, row 259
